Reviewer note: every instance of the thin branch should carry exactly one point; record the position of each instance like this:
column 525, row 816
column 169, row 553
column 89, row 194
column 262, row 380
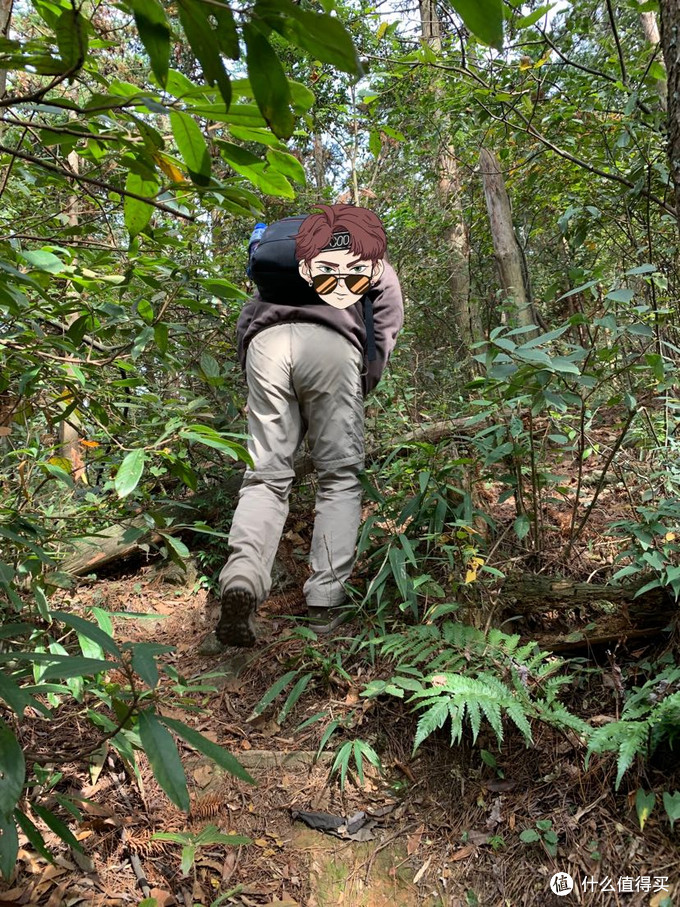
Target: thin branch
column 619, row 49
column 610, row 175
column 61, row 171
column 600, row 484
column 15, row 121
column 72, row 241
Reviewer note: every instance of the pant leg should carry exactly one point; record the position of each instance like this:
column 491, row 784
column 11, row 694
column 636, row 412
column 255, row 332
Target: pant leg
column 255, row 534
column 336, row 524
column 275, row 428
column 327, row 380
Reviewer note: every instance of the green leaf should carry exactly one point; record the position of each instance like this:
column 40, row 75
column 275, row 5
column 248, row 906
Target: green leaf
column 87, row 628
column 144, row 662
column 532, row 18
column 41, row 260
column 33, row 835
column 138, row 213
column 205, row 44
column 288, row 165
column 74, row 666
column 522, row 525
column 209, row 366
column 269, row 83
column 644, row 804
column 16, row 698
column 12, row 771
column 213, row 751
column 293, row 697
column 671, row 804
column 154, row 32
column 192, row 146
column 261, row 174
column 621, row 295
column 164, row 758
column 71, row 34
column 272, row 693
column 129, row 472
column 484, row 18
column 529, row 836
column 57, row 826
column 160, row 336
column 178, row 546
column 9, row 846
column 321, row 35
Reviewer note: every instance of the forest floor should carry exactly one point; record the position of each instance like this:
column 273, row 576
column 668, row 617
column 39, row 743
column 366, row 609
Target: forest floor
column 441, row 827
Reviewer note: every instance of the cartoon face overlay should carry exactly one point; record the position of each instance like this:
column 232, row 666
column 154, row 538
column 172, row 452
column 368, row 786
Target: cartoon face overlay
column 340, row 253
column 340, row 277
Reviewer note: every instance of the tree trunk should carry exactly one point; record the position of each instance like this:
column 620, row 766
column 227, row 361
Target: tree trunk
column 651, row 32
column 449, row 189
column 506, row 247
column 319, row 167
column 670, row 43
column 69, row 434
column 5, row 19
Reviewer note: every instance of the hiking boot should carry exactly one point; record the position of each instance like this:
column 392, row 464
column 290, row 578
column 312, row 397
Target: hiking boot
column 236, row 626
column 325, row 620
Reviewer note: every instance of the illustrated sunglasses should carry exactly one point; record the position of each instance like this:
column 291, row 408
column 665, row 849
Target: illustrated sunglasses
column 355, row 283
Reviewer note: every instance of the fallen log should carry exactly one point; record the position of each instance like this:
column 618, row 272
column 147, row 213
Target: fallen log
column 529, row 594
column 607, row 614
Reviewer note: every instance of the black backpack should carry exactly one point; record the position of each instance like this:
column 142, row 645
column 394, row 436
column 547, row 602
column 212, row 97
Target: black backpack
column 274, row 268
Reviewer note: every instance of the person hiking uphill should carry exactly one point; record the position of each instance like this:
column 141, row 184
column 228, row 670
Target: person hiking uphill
column 313, row 340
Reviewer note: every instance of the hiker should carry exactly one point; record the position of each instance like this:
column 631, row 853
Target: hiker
column 313, row 341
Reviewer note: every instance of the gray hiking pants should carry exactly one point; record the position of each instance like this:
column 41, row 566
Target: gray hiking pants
column 302, row 379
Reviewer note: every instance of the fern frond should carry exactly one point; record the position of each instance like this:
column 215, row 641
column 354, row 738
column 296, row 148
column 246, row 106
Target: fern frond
column 431, row 721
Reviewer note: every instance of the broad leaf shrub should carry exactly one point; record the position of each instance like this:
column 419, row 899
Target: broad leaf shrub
column 54, row 661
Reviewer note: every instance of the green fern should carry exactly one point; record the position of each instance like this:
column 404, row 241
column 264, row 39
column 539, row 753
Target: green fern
column 459, row 674
column 650, row 715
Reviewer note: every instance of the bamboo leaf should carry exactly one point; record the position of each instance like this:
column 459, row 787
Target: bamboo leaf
column 9, row 846
column 164, row 758
column 12, row 771
column 92, row 631
column 217, row 753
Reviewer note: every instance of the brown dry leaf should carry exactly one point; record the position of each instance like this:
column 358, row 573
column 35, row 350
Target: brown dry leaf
column 57, row 895
column 198, row 894
column 463, row 853
column 162, row 898
column 421, row 872
column 352, row 697
column 229, row 865
column 479, row 837
column 203, row 775
column 12, row 896
column 413, row 841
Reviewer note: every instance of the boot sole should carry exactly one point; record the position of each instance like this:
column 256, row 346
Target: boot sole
column 235, row 626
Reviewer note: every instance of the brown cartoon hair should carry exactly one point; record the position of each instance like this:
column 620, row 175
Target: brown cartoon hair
column 367, row 234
